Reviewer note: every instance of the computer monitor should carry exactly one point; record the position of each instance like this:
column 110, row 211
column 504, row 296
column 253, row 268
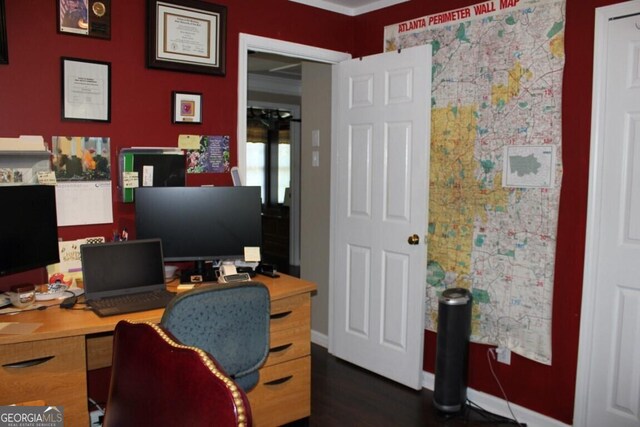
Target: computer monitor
column 200, row 223
column 28, row 228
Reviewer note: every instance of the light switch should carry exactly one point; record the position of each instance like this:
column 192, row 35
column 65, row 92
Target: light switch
column 315, row 138
column 315, row 159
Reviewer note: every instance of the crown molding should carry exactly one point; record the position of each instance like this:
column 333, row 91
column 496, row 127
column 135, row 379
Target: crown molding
column 350, row 11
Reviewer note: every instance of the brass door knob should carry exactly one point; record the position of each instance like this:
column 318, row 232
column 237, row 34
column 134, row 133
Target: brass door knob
column 414, row 240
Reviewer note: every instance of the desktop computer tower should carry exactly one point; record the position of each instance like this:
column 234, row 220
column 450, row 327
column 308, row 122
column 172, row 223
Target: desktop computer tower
column 454, row 329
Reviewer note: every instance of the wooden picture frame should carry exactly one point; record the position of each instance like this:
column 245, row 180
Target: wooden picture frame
column 186, row 35
column 186, row 107
column 4, row 45
column 85, row 90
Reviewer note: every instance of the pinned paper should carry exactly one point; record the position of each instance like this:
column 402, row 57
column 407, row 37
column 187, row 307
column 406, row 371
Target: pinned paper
column 130, row 180
column 47, row 178
column 147, row 176
column 252, row 253
column 189, row 142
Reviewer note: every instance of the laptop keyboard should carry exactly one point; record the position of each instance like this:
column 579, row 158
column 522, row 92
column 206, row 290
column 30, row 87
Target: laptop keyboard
column 131, row 303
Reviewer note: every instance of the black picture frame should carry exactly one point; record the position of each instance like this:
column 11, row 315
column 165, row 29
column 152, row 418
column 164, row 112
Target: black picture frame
column 85, row 90
column 4, row 45
column 86, row 18
column 186, row 107
column 200, row 44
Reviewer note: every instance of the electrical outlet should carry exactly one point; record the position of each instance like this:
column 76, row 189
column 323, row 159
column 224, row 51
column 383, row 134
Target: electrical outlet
column 503, row 355
column 96, row 418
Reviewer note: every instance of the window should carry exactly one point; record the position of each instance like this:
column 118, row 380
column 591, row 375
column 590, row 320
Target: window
column 269, row 153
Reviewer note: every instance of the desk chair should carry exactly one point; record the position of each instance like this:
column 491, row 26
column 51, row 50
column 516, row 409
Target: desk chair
column 231, row 322
column 158, row 382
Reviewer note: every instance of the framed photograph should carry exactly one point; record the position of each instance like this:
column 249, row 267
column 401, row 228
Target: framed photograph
column 86, row 90
column 186, row 35
column 4, row 50
column 90, row 18
column 186, row 107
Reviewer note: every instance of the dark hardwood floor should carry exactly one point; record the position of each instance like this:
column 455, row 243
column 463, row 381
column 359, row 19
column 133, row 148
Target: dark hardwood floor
column 343, row 394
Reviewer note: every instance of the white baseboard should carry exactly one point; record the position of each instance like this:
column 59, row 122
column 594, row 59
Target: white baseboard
column 487, row 401
column 320, row 339
column 498, row 406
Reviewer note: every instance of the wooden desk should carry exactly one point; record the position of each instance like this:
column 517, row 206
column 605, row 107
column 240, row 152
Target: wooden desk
column 70, row 342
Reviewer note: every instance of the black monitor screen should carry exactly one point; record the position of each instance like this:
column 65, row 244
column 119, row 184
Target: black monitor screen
column 200, row 223
column 28, row 228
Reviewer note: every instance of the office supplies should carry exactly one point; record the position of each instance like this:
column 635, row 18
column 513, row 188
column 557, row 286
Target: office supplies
column 69, row 302
column 268, row 270
column 124, row 277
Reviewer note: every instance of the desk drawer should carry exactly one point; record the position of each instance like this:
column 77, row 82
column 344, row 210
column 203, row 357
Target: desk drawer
column 53, row 371
column 289, row 344
column 290, row 312
column 283, row 393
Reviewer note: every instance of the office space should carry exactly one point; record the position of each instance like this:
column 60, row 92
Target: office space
column 140, row 116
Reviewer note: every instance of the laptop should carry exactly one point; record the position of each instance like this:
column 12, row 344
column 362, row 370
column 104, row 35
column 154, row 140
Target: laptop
column 124, row 277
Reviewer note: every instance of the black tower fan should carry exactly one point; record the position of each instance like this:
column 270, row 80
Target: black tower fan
column 454, row 329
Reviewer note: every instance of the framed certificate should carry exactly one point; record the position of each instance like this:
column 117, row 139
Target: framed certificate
column 186, row 35
column 86, row 90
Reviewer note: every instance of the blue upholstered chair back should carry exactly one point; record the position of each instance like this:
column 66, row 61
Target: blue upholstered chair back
column 231, row 322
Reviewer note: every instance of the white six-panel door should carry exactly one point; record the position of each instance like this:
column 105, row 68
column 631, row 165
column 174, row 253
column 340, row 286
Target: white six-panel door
column 608, row 387
column 381, row 158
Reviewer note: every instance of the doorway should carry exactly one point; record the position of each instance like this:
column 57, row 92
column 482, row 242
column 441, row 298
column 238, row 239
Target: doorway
column 273, row 163
column 248, row 45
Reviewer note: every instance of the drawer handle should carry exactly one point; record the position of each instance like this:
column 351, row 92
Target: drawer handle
column 280, row 348
column 279, row 380
column 281, row 315
column 28, row 363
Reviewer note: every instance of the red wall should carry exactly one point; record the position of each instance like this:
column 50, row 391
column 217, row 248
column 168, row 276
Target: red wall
column 141, row 97
column 30, row 104
column 545, row 389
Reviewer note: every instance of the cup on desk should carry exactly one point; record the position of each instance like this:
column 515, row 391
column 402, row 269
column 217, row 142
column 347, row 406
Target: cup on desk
column 22, row 296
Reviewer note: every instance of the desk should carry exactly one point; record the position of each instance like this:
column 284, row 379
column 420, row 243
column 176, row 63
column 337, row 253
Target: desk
column 70, row 342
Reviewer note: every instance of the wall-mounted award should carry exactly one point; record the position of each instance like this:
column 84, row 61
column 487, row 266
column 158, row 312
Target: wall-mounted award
column 90, row 18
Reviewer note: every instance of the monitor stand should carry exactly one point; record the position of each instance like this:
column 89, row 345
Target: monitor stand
column 199, row 274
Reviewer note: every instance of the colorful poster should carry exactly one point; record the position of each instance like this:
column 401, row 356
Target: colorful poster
column 81, row 158
column 213, row 155
column 496, row 83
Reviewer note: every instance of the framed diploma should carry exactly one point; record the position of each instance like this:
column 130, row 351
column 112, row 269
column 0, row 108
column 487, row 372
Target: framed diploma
column 186, row 107
column 86, row 90
column 186, row 35
column 4, row 50
column 85, row 18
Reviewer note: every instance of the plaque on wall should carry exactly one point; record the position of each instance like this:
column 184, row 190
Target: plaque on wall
column 90, row 18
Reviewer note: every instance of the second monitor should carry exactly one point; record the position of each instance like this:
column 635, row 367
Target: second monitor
column 200, row 224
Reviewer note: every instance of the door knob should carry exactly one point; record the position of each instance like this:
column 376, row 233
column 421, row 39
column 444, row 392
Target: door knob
column 414, row 240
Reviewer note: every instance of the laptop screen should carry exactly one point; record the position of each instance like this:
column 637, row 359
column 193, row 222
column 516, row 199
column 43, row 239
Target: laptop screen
column 120, row 268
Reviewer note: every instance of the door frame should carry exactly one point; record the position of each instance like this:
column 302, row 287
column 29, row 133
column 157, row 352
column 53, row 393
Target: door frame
column 589, row 283
column 250, row 42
